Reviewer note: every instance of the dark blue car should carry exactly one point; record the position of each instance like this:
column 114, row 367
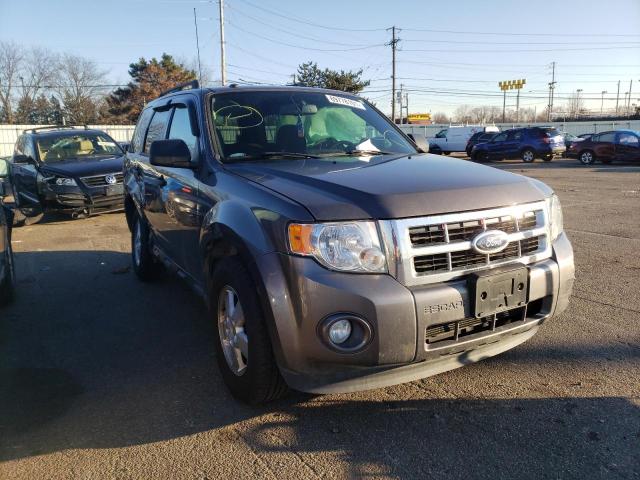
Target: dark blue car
column 525, row 143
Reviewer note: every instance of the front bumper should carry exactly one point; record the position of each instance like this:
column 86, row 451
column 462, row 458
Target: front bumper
column 300, row 294
column 76, row 199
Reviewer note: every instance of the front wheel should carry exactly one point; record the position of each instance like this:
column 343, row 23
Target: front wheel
column 547, row 158
column 145, row 265
column 528, row 155
column 244, row 353
column 7, row 285
column 587, row 157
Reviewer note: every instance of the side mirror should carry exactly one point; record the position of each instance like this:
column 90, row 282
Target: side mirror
column 170, row 153
column 420, row 141
column 4, row 168
column 23, row 159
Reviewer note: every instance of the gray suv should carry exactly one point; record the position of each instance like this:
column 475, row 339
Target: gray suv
column 334, row 255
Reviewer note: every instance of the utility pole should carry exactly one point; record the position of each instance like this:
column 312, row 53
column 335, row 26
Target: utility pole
column 552, row 86
column 393, row 44
column 504, row 104
column 195, row 22
column 511, row 85
column 629, row 101
column 406, row 105
column 223, row 68
column 577, row 113
column 618, row 97
column 400, row 98
column 602, row 101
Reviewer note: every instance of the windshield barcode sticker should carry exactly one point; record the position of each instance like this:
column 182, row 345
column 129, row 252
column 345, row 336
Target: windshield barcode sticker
column 347, row 102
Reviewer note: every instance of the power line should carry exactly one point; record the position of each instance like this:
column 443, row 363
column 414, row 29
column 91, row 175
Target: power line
column 313, row 24
column 475, row 42
column 295, row 34
column 519, row 50
column 522, row 34
column 366, row 47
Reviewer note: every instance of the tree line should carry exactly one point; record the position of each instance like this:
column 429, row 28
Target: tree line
column 38, row 86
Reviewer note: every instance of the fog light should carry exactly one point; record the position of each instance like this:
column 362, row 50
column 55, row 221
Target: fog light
column 339, row 331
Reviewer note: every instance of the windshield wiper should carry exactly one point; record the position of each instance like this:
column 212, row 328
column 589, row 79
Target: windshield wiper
column 267, row 155
column 368, row 152
column 287, row 155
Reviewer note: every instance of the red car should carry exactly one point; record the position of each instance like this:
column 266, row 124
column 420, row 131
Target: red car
column 622, row 145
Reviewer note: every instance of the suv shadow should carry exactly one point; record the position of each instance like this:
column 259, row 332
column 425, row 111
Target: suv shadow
column 115, row 364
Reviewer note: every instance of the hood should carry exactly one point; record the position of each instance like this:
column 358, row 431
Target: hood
column 382, row 187
column 84, row 168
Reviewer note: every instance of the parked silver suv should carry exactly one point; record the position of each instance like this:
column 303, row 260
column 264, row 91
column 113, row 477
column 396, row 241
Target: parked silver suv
column 334, row 256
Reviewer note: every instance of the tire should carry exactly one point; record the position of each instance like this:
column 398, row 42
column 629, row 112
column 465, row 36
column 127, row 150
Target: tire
column 481, row 157
column 547, row 158
column 7, row 286
column 145, row 265
column 587, row 157
column 243, row 349
column 528, row 155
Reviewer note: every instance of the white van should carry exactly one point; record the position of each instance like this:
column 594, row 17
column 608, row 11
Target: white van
column 454, row 138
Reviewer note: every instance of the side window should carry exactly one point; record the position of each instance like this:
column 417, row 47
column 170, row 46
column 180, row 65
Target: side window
column 157, row 128
column 19, row 148
column 628, row 139
column 500, row 138
column 27, row 148
column 608, row 137
column 138, row 135
column 181, row 129
column 442, row 133
column 517, row 135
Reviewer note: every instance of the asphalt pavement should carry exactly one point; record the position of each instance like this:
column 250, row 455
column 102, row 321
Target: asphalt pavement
column 102, row 376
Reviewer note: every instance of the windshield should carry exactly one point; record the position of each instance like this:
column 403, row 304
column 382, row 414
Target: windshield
column 259, row 124
column 78, row 146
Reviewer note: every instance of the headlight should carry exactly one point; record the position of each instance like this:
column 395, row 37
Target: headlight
column 67, row 182
column 555, row 216
column 349, row 246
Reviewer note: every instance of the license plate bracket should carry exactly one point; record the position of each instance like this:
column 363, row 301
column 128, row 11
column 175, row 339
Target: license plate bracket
column 117, row 189
column 499, row 290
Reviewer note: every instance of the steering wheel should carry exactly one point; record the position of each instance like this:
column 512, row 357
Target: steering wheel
column 333, row 144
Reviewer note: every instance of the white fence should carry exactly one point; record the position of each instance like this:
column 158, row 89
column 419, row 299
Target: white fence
column 576, row 128
column 10, row 133
column 123, row 133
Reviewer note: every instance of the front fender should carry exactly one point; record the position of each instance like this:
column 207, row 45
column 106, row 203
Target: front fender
column 232, row 223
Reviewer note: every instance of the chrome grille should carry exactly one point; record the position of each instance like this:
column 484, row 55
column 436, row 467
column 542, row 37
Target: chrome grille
column 100, row 181
column 439, row 248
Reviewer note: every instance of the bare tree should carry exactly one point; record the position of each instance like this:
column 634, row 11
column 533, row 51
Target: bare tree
column 39, row 72
column 80, row 85
column 37, row 75
column 11, row 61
column 440, row 117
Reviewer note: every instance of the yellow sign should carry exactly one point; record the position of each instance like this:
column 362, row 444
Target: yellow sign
column 419, row 117
column 512, row 84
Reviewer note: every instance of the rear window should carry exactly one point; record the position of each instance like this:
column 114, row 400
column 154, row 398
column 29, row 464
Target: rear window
column 548, row 132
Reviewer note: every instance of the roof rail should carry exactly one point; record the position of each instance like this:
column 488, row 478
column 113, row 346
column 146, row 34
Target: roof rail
column 193, row 84
column 54, row 127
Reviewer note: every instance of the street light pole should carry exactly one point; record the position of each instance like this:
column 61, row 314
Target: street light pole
column 602, row 101
column 577, row 102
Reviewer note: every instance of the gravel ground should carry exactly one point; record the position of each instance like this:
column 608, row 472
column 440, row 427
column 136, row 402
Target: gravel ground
column 104, row 377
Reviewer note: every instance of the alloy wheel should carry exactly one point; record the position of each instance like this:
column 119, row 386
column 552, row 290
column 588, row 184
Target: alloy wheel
column 586, row 158
column 233, row 337
column 137, row 243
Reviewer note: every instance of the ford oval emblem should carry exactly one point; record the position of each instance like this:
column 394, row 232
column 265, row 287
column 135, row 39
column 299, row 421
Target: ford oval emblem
column 491, row 241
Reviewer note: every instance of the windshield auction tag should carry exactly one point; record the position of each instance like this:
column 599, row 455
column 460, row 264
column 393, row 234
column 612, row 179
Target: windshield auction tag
column 347, row 102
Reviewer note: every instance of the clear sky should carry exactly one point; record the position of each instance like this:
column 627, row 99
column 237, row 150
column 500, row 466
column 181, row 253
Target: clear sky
column 450, row 53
